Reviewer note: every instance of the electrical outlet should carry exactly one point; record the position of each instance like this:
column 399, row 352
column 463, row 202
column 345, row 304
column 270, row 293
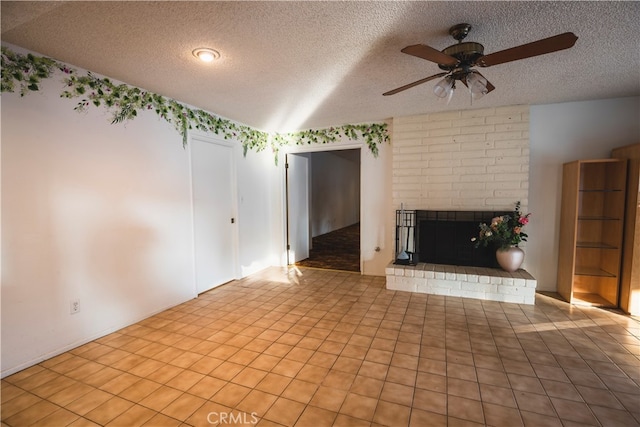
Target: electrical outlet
column 74, row 306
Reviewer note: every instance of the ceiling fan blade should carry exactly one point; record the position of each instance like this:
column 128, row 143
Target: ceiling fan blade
column 410, row 85
column 540, row 47
column 430, row 54
column 490, row 87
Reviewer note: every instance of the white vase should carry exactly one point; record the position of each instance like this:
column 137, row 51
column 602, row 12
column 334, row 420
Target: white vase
column 510, row 259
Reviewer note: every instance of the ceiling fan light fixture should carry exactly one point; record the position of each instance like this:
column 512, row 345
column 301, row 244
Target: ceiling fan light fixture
column 477, row 84
column 206, row 54
column 444, row 88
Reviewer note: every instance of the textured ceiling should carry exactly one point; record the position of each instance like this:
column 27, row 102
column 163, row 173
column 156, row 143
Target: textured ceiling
column 295, row 65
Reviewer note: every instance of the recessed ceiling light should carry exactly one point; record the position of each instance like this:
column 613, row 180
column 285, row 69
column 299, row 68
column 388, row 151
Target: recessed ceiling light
column 205, row 54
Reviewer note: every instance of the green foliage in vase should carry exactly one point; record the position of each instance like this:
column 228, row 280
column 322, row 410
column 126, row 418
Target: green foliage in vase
column 504, row 231
column 125, row 102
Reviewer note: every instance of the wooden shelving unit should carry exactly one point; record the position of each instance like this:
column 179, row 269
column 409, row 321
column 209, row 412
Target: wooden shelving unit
column 591, row 226
column 630, row 275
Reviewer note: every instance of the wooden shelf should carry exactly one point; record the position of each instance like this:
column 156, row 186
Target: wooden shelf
column 591, row 300
column 592, row 271
column 597, row 218
column 591, row 225
column 595, row 245
column 630, row 270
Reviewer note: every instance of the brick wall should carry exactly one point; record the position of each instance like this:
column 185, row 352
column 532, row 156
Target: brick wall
column 462, row 160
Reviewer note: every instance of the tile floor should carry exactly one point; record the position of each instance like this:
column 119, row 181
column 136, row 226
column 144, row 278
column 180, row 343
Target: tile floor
column 310, row 347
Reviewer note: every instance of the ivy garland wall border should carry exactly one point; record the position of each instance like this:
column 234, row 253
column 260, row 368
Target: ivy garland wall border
column 124, row 101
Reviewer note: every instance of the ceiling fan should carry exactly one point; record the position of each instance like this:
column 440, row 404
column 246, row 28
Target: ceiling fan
column 459, row 60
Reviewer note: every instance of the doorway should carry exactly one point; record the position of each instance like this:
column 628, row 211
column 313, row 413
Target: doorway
column 323, row 198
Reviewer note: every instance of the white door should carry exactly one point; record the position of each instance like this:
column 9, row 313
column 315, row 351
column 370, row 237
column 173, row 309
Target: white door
column 298, row 207
column 213, row 213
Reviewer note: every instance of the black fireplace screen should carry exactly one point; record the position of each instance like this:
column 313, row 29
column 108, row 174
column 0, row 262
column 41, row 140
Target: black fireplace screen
column 444, row 237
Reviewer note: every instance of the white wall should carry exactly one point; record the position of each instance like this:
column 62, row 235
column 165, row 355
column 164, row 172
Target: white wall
column 376, row 218
column 90, row 211
column 102, row 213
column 335, row 190
column 562, row 133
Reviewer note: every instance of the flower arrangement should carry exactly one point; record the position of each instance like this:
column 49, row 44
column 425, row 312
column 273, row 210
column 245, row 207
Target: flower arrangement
column 504, row 231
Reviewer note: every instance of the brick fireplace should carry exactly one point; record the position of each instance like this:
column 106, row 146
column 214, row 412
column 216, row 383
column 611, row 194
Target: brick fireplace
column 471, row 160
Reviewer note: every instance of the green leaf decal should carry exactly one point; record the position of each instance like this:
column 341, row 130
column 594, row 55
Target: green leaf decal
column 124, row 102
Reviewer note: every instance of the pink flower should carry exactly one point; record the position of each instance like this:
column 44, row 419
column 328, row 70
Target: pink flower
column 523, row 220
